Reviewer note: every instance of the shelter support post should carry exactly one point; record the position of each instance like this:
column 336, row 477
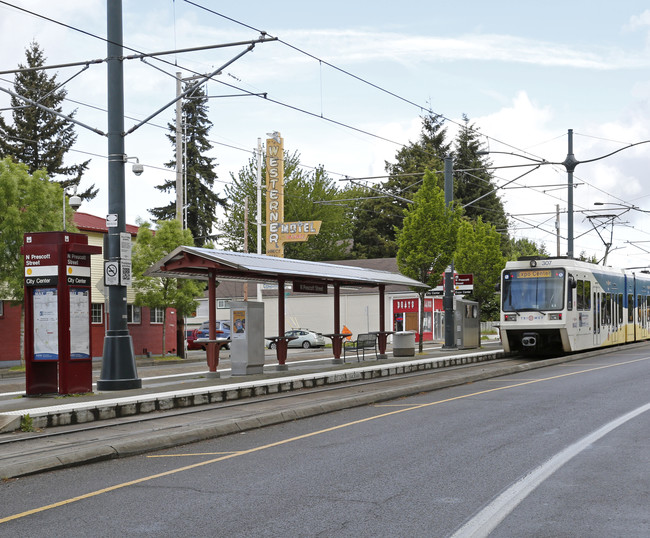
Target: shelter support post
column 212, row 351
column 382, row 335
column 281, row 344
column 336, row 336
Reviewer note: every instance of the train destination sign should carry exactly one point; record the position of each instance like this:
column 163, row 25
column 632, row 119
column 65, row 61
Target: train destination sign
column 537, row 273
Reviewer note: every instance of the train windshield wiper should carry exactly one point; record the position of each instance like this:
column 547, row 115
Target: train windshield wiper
column 519, row 310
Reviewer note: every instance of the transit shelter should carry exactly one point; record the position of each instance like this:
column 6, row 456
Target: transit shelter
column 217, row 265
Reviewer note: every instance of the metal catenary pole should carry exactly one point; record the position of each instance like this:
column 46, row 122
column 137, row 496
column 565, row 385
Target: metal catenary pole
column 448, row 299
column 118, row 364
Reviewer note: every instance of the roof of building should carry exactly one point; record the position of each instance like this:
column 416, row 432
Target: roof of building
column 194, row 262
column 91, row 223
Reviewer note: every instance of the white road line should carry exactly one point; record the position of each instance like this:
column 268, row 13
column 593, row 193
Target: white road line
column 483, row 523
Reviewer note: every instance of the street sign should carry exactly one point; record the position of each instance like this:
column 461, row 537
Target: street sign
column 111, row 220
column 461, row 283
column 111, row 273
column 125, row 273
column 125, row 246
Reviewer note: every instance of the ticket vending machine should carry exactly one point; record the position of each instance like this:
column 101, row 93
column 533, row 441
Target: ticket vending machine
column 57, row 312
column 247, row 337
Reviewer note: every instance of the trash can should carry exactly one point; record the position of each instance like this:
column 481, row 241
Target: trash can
column 404, row 344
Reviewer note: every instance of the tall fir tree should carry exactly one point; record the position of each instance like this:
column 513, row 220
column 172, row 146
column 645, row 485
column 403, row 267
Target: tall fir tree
column 473, row 182
column 202, row 200
column 374, row 231
column 39, row 138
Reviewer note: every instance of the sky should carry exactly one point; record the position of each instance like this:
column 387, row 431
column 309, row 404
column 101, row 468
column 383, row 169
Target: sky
column 348, row 82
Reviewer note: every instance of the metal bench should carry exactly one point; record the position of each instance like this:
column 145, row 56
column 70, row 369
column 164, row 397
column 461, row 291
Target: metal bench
column 364, row 341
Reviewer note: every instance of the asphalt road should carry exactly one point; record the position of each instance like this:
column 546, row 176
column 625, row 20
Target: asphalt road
column 558, row 451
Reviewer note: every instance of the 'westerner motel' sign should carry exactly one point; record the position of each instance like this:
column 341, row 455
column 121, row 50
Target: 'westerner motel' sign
column 279, row 232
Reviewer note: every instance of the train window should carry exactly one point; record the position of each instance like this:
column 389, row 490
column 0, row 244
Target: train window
column 580, row 301
column 537, row 289
column 620, row 308
column 598, row 307
column 630, row 308
column 607, row 308
column 587, row 295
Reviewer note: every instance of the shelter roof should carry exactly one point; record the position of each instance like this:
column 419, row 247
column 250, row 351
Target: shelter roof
column 195, row 262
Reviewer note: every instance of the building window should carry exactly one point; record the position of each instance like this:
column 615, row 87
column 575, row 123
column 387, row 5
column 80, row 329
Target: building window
column 97, row 313
column 223, row 303
column 156, row 315
column 133, row 314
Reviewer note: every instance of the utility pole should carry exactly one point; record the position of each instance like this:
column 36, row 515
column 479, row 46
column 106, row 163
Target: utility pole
column 557, row 228
column 179, row 150
column 448, row 299
column 118, row 364
column 246, row 241
column 570, row 164
column 258, row 216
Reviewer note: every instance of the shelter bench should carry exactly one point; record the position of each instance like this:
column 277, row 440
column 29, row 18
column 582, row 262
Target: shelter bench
column 364, row 341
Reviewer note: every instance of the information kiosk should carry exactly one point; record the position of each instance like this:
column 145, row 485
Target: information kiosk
column 57, row 312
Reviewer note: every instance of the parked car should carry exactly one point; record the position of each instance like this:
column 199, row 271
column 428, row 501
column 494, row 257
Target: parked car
column 223, row 326
column 204, row 332
column 303, row 338
column 191, row 336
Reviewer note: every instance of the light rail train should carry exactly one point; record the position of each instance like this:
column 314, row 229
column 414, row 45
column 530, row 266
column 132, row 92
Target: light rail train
column 566, row 305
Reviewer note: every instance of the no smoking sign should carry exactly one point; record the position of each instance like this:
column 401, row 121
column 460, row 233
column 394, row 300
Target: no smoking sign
column 111, row 273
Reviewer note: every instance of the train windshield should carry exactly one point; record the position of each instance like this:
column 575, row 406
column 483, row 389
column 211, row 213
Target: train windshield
column 533, row 289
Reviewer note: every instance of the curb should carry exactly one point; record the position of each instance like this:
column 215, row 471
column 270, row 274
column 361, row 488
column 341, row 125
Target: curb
column 81, row 412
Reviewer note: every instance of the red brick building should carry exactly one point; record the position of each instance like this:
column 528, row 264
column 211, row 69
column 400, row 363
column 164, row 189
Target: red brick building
column 145, row 325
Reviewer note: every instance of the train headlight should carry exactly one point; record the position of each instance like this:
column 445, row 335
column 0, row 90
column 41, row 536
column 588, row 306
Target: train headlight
column 555, row 317
column 510, row 317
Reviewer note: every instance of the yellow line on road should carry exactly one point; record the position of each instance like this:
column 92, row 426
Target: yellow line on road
column 291, row 440
column 195, row 454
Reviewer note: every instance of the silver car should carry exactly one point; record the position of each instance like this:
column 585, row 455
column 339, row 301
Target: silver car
column 303, row 338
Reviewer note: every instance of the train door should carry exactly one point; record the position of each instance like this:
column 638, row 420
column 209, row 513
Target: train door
column 596, row 313
column 584, row 312
column 630, row 326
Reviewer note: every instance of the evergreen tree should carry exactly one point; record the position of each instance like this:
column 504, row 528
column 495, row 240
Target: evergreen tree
column 39, row 138
column 473, row 183
column 374, row 230
column 200, row 172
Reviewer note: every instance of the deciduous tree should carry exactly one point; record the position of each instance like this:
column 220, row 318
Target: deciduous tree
column 478, row 252
column 157, row 292
column 308, row 195
column 427, row 239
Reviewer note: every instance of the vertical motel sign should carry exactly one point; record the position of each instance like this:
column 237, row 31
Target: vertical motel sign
column 279, row 232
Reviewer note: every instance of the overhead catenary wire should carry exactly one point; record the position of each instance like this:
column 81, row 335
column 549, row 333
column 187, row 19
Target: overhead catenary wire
column 326, row 63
